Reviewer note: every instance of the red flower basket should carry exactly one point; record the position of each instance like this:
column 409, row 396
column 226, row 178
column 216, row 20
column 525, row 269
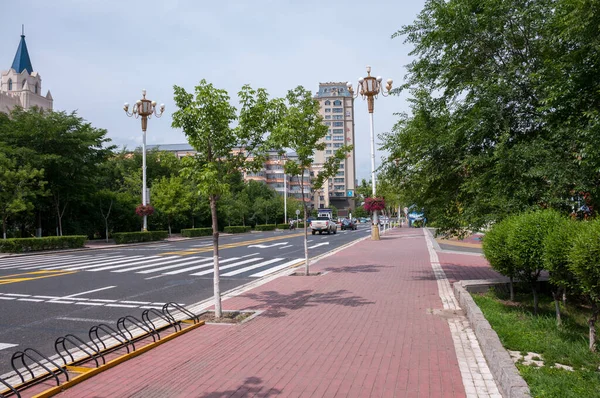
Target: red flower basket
column 142, row 210
column 373, row 204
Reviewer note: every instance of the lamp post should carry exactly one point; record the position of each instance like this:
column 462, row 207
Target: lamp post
column 282, row 160
column 369, row 87
column 144, row 108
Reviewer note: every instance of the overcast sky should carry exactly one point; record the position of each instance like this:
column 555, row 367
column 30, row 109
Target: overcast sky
column 94, row 55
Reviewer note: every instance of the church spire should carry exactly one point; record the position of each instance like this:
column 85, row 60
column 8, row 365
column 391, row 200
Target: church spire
column 22, row 61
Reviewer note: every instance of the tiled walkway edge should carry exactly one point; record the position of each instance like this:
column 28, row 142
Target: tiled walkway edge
column 507, row 377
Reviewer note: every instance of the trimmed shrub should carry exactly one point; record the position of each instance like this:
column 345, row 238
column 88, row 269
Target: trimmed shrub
column 20, row 245
column 236, row 229
column 557, row 246
column 525, row 244
column 495, row 250
column 266, row 227
column 194, row 232
column 584, row 262
column 136, row 237
column 283, row 226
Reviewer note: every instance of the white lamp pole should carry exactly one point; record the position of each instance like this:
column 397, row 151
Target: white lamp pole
column 144, row 108
column 369, row 88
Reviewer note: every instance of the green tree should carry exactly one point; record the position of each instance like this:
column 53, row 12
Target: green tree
column 205, row 117
column 301, row 129
column 171, row 197
column 18, row 186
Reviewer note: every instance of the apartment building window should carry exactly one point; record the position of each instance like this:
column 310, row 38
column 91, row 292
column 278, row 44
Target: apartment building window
column 328, row 110
column 338, row 138
column 341, row 166
column 329, row 123
column 328, row 145
column 338, row 180
column 327, row 102
column 338, row 145
column 327, row 138
column 328, row 152
column 338, row 117
column 339, row 187
column 339, row 174
column 338, row 194
column 337, row 110
column 337, row 103
column 338, row 131
column 337, row 124
column 327, row 116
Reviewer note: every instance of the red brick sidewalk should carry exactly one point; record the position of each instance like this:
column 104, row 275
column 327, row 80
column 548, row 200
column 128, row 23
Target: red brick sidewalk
column 364, row 329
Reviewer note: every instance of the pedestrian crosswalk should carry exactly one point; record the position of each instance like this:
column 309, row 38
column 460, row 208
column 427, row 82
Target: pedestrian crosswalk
column 251, row 265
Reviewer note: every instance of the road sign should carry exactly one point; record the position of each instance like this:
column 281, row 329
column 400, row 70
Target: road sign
column 297, row 212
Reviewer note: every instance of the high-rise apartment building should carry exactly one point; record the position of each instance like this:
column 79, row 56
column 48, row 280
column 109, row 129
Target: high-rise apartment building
column 337, row 109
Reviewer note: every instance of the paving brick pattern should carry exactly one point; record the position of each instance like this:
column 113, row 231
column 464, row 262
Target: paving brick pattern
column 367, row 328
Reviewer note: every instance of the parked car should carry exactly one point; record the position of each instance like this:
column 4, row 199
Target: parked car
column 348, row 224
column 364, row 220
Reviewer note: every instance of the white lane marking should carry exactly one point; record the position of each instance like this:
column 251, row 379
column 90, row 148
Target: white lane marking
column 318, row 244
column 308, row 241
column 47, row 297
column 7, row 298
column 126, row 260
column 151, row 306
column 135, row 302
column 60, row 302
column 4, row 346
column 121, row 305
column 203, row 245
column 77, row 261
column 275, row 269
column 180, row 271
column 154, row 277
column 285, row 247
column 35, row 259
column 249, row 255
column 267, row 246
column 210, row 271
column 17, row 295
column 105, row 300
column 26, row 262
column 151, row 259
column 89, row 291
column 179, row 264
column 28, row 299
column 91, row 263
column 66, row 318
column 251, row 267
column 92, row 304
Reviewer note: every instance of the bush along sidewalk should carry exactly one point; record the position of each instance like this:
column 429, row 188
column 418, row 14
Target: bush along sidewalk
column 135, row 237
column 265, row 227
column 235, row 229
column 21, row 245
column 194, row 232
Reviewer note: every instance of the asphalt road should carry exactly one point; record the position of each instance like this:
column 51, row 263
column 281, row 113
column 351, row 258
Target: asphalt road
column 45, row 296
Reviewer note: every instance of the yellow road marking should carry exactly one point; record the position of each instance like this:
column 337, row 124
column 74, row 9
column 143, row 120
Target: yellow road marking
column 230, row 245
column 16, row 278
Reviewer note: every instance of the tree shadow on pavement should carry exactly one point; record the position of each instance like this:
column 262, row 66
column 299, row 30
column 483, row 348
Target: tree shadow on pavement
column 357, row 269
column 276, row 303
column 250, row 387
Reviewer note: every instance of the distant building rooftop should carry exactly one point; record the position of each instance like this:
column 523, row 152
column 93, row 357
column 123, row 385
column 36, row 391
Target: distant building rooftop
column 333, row 89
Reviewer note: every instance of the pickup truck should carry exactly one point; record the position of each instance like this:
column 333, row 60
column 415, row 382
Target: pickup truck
column 323, row 224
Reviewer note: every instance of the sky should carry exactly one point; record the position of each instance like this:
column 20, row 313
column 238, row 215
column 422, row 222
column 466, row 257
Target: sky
column 95, row 55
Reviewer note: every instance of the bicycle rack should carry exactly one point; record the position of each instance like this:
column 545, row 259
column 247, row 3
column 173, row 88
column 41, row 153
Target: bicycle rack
column 11, row 388
column 117, row 335
column 97, row 346
column 167, row 318
column 135, row 321
column 24, row 354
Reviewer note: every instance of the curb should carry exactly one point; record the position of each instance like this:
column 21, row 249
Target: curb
column 506, row 374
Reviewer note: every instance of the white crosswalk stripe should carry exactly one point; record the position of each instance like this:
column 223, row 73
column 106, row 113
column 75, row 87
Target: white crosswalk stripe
column 164, row 265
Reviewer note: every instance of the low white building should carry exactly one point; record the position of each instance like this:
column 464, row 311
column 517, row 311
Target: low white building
column 21, row 85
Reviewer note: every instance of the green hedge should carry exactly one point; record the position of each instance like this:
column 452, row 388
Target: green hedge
column 19, row 245
column 134, row 237
column 266, row 227
column 236, row 229
column 283, row 226
column 193, row 232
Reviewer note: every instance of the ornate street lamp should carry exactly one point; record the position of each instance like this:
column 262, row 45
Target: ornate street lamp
column 369, row 88
column 144, row 108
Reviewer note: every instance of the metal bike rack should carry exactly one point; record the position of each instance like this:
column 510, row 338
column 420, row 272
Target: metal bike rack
column 117, row 335
column 135, row 321
column 11, row 388
column 167, row 318
column 25, row 354
column 69, row 338
column 180, row 308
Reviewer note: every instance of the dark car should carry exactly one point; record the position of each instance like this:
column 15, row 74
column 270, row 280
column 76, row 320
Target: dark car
column 348, row 224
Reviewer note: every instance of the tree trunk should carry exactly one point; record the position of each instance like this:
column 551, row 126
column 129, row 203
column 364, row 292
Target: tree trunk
column 169, row 225
column 38, row 232
column 106, row 229
column 536, row 299
column 592, row 325
column 511, row 287
column 556, row 296
column 564, row 296
column 4, row 220
column 307, row 270
column 215, row 227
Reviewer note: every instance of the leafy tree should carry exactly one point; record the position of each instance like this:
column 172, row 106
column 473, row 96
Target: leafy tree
column 18, row 186
column 495, row 250
column 171, row 197
column 360, row 212
column 301, row 129
column 205, row 117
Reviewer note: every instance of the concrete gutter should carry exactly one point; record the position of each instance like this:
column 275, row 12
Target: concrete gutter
column 509, row 381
